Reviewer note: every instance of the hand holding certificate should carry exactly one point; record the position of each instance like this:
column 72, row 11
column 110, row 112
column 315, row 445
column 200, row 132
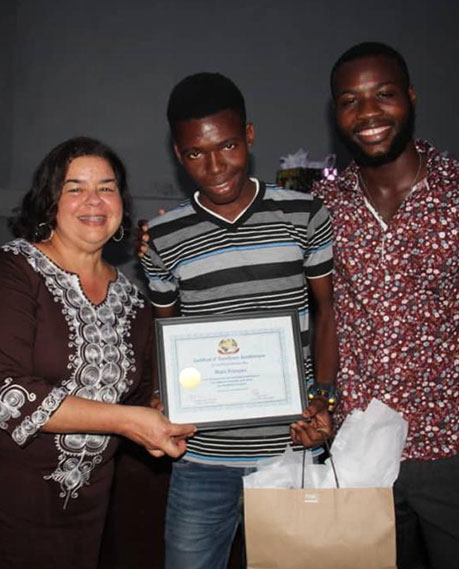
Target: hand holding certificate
column 227, row 371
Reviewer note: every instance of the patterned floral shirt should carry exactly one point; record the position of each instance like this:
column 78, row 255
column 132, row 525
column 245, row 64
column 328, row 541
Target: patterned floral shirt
column 396, row 299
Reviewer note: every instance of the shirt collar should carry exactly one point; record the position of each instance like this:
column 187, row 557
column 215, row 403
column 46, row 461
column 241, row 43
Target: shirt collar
column 351, row 173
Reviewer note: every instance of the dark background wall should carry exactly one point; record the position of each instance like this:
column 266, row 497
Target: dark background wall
column 7, row 38
column 105, row 68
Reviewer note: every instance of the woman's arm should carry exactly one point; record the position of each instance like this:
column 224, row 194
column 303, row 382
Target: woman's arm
column 143, row 425
column 30, row 403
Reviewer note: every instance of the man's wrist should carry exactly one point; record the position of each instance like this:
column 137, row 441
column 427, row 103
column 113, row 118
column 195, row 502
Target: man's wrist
column 326, row 392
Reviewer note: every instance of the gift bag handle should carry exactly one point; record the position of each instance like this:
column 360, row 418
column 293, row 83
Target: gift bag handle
column 327, row 446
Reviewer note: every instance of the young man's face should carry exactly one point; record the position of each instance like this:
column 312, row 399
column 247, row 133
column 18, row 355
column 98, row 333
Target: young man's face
column 374, row 109
column 214, row 151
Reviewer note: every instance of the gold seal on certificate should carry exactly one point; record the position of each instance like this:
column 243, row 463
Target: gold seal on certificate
column 228, row 346
column 227, row 371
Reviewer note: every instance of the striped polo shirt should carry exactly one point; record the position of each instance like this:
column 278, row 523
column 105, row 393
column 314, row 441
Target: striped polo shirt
column 261, row 261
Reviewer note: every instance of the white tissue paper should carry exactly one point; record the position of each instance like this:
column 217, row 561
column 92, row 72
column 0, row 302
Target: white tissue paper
column 366, row 453
column 368, row 447
column 297, row 160
column 284, row 471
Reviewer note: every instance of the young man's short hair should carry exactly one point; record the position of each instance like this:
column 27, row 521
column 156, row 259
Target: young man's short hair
column 204, row 94
column 371, row 49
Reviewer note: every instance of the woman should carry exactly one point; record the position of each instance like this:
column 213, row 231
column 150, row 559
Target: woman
column 75, row 341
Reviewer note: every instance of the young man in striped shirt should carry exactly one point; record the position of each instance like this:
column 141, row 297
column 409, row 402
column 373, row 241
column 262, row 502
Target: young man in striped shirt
column 237, row 245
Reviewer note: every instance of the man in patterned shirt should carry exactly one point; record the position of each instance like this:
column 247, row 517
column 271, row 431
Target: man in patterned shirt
column 395, row 220
column 237, row 245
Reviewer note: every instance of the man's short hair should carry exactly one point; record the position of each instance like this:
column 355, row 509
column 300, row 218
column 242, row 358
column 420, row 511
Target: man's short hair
column 371, row 49
column 204, row 94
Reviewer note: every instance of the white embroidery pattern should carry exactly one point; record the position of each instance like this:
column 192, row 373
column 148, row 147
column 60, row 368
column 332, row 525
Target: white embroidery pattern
column 100, row 359
column 12, row 398
column 30, row 425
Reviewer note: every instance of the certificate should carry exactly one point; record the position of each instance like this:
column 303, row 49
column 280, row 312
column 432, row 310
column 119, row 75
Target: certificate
column 228, row 371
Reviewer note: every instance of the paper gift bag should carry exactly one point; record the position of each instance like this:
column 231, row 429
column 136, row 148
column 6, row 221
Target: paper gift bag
column 327, row 528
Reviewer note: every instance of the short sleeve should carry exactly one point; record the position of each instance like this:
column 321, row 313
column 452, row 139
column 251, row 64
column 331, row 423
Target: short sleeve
column 162, row 283
column 318, row 261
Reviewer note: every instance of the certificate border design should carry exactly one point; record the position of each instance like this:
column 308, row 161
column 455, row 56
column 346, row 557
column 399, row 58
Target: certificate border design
column 229, row 333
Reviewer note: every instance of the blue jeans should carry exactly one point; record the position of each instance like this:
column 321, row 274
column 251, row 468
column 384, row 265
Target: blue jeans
column 204, row 509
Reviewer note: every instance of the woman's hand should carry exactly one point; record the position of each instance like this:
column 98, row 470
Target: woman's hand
column 151, row 429
column 315, row 428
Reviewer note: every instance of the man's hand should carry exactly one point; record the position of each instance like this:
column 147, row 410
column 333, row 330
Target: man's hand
column 141, row 238
column 315, row 428
column 141, row 235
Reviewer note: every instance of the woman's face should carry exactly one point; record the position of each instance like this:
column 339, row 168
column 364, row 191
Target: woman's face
column 90, row 209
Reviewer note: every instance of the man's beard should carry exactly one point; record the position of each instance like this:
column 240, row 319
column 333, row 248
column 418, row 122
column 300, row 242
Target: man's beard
column 398, row 145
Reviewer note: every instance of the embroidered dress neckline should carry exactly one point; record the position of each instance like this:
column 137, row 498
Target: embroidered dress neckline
column 76, row 276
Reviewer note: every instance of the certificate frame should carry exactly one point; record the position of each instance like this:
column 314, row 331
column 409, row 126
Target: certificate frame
column 231, row 370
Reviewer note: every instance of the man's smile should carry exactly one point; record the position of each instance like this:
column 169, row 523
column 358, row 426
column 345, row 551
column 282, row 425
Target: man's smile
column 373, row 134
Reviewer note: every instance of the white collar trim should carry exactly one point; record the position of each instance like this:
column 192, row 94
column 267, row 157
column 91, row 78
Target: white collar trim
column 257, row 189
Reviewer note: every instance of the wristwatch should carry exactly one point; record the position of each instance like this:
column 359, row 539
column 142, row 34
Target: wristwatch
column 326, row 392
